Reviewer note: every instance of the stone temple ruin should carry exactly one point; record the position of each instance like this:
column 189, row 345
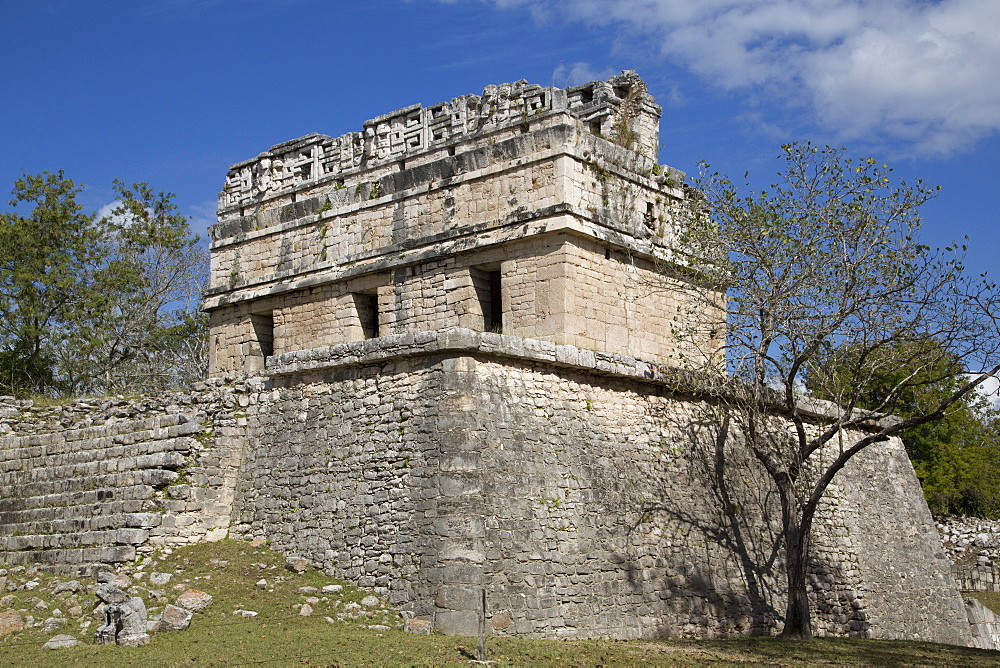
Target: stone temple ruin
column 535, row 212
column 441, row 353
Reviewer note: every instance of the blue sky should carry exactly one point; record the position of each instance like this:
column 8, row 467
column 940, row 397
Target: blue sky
column 173, row 91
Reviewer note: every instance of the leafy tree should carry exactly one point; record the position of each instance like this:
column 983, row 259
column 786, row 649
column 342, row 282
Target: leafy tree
column 957, row 458
column 152, row 278
column 48, row 263
column 94, row 305
column 828, row 259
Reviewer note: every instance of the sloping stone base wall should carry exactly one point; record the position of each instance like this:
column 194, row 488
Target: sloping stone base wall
column 576, row 488
column 582, row 494
column 342, row 471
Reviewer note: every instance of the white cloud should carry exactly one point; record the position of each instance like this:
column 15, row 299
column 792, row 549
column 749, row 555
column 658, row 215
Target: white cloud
column 573, row 74
column 920, row 71
column 105, row 211
column 991, row 390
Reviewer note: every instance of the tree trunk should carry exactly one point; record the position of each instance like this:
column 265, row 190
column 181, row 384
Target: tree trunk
column 798, row 623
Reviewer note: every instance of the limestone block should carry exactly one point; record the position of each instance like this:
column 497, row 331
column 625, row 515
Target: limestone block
column 131, row 536
column 124, row 624
column 11, row 622
column 109, row 593
column 419, row 626
column 174, row 618
column 143, row 520
column 471, row 526
column 158, row 579
column 194, row 600
column 61, row 641
column 297, row 564
column 457, row 622
column 458, row 597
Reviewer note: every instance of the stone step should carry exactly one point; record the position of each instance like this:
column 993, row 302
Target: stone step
column 34, row 493
column 77, row 522
column 171, row 457
column 85, row 456
column 62, row 512
column 72, row 559
column 81, row 539
column 49, row 437
column 15, row 456
column 101, row 495
column 122, row 433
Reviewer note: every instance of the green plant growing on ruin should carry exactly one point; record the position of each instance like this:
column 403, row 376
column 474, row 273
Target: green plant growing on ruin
column 376, row 191
column 829, row 284
column 524, row 125
column 622, row 132
column 181, row 479
column 327, row 205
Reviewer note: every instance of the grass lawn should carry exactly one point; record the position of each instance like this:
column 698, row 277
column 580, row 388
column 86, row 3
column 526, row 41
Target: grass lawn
column 990, row 599
column 279, row 636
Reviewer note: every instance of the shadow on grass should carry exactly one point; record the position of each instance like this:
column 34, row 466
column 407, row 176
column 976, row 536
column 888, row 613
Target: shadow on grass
column 850, row 652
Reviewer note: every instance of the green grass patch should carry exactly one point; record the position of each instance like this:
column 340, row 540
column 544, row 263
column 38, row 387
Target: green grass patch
column 990, row 599
column 279, row 636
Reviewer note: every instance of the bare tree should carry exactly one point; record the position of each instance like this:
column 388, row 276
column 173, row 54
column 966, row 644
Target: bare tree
column 827, row 280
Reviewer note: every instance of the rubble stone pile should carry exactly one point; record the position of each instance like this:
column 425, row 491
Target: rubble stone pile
column 969, row 539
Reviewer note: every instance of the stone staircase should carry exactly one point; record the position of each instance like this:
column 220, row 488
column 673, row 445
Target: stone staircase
column 80, row 496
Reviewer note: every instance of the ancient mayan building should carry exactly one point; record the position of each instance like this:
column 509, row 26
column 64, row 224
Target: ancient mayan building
column 441, row 357
column 538, row 212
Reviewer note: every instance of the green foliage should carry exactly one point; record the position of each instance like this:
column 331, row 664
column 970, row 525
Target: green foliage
column 49, row 274
column 92, row 305
column 957, row 457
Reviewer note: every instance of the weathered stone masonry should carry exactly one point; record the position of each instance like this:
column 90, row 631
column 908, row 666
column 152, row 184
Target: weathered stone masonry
column 516, row 207
column 456, row 330
column 568, row 485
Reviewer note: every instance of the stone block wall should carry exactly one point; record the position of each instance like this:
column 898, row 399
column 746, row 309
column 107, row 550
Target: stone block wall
column 560, row 287
column 976, row 577
column 345, row 473
column 608, row 472
column 577, row 488
column 581, row 490
column 881, row 531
